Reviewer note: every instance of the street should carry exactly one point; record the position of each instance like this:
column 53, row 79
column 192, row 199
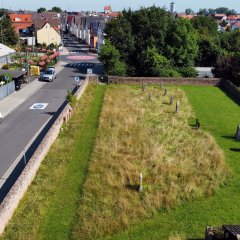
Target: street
column 22, row 124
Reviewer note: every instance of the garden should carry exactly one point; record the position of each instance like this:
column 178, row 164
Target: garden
column 91, row 191
column 26, row 57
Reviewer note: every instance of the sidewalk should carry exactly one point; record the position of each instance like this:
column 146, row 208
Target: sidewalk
column 11, row 102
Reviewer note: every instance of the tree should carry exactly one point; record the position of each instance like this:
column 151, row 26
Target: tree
column 202, row 11
column 41, row 10
column 209, row 51
column 222, row 10
column 8, row 36
column 56, row 9
column 119, row 32
column 157, row 65
column 205, row 25
column 228, row 67
column 189, row 11
column 110, row 57
column 231, row 12
column 182, row 45
column 211, row 11
column 149, row 42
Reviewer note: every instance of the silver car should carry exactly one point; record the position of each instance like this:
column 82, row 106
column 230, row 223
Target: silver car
column 49, row 75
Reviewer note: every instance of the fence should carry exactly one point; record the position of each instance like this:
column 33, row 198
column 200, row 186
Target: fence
column 7, row 89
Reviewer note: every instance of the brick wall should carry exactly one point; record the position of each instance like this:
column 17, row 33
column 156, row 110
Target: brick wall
column 175, row 81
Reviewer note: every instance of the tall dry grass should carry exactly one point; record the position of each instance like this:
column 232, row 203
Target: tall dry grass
column 136, row 136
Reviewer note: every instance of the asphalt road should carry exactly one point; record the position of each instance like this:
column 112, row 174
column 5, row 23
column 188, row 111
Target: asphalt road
column 20, row 126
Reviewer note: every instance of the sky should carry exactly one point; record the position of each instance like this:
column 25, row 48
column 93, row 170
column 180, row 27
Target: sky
column 117, row 5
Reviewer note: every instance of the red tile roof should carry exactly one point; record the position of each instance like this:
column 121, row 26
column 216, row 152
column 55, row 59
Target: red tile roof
column 20, row 21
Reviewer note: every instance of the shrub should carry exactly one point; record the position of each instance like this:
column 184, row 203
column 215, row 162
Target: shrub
column 71, row 99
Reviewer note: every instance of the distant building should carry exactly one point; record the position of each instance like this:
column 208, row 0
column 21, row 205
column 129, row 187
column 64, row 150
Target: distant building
column 5, row 54
column 172, row 7
column 107, row 9
column 48, row 35
column 20, row 21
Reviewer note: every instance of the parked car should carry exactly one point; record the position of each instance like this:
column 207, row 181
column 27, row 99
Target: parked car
column 48, row 75
column 51, row 68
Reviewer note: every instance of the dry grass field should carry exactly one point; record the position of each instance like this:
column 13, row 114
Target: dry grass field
column 141, row 135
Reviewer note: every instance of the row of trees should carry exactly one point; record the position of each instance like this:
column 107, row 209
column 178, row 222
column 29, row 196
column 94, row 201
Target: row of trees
column 205, row 11
column 54, row 9
column 150, row 42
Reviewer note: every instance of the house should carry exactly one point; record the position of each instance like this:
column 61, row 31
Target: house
column 39, row 19
column 48, row 35
column 70, row 23
column 20, row 21
column 94, row 33
column 219, row 17
column 233, row 18
column 5, row 54
column 46, row 27
column 236, row 26
column 186, row 16
column 100, row 34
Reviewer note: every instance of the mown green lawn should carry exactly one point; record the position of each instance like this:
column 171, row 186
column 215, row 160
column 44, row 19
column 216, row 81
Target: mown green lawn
column 219, row 115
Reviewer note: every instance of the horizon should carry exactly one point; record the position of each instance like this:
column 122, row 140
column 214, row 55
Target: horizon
column 91, row 5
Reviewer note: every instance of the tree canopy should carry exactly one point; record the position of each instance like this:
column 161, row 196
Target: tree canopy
column 41, row 10
column 149, row 39
column 7, row 34
column 219, row 10
column 56, row 9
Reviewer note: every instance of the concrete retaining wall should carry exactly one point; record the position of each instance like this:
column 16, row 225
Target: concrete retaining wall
column 175, row 81
column 19, row 188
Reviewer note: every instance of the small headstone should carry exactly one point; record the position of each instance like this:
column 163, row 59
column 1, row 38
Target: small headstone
column 144, row 87
column 171, row 99
column 150, row 96
column 165, row 92
column 177, row 107
column 197, row 124
column 237, row 136
column 140, row 183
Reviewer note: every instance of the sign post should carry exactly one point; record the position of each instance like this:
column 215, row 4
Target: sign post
column 89, row 71
column 77, row 80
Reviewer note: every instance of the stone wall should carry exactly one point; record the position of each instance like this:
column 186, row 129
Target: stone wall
column 10, row 203
column 231, row 88
column 175, row 81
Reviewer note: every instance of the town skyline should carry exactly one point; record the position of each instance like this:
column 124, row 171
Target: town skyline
column 92, row 5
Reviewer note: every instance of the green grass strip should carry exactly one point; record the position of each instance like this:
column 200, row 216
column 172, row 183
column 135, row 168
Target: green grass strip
column 62, row 214
column 219, row 115
column 49, row 207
